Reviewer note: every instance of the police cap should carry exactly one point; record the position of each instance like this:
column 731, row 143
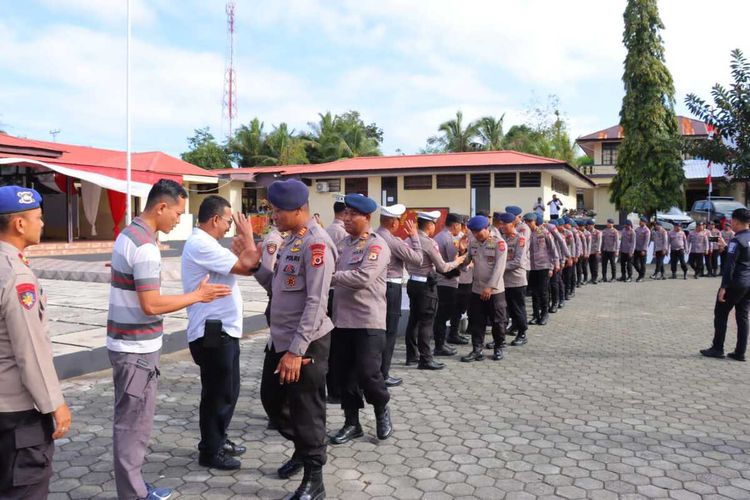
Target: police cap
column 14, row 199
column 360, row 203
column 477, row 223
column 288, row 195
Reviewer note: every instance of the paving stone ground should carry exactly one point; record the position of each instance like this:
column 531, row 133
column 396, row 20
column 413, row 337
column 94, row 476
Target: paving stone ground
column 610, row 400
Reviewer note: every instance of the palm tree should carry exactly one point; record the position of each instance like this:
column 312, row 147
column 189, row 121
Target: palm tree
column 340, row 136
column 284, row 148
column 455, row 138
column 247, row 145
column 490, row 132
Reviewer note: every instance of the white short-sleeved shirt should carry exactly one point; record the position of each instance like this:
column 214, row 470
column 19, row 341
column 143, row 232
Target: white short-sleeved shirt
column 554, row 208
column 204, row 255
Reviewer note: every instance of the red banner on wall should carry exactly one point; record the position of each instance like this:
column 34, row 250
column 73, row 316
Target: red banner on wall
column 411, row 214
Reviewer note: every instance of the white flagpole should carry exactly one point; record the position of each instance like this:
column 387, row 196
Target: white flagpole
column 128, row 210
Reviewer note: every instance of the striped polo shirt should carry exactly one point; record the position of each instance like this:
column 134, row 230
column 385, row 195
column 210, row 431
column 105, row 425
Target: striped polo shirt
column 136, row 267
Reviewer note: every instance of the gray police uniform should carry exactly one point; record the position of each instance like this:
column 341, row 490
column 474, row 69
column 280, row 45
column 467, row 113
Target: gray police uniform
column 338, row 233
column 569, row 273
column 447, row 287
column 727, row 235
column 698, row 247
column 270, row 249
column 610, row 248
column 423, row 298
column 514, row 278
column 489, row 258
column 661, row 248
column 677, row 248
column 401, row 253
column 299, row 324
column 627, row 249
column 642, row 239
column 359, row 312
column 28, row 381
column 595, row 254
column 543, row 259
column 736, row 281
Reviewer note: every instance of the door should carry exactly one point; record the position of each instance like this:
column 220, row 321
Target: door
column 389, row 186
column 480, row 194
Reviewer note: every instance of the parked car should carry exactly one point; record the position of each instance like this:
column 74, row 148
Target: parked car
column 719, row 209
column 675, row 216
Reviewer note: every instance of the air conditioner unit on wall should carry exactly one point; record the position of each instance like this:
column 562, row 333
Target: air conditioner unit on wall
column 322, row 187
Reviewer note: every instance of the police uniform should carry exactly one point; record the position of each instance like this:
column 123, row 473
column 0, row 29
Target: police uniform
column 338, row 233
column 543, row 259
column 402, row 252
column 736, row 281
column 726, row 234
column 677, row 249
column 642, row 239
column 595, row 251
column 627, row 249
column 661, row 248
column 359, row 312
column 582, row 255
column 569, row 273
column 610, row 249
column 514, row 280
column 715, row 246
column 447, row 287
column 299, row 325
column 423, row 298
column 270, row 247
column 489, row 258
column 30, row 388
column 557, row 283
column 698, row 247
column 465, row 280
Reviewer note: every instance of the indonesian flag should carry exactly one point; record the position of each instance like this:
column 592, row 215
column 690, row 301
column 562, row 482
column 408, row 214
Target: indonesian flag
column 708, row 178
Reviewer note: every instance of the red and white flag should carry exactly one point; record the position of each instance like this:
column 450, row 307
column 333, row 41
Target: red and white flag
column 708, row 178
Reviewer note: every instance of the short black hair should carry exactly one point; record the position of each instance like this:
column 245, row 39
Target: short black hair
column 742, row 215
column 4, row 222
column 453, row 218
column 339, row 207
column 165, row 188
column 210, row 206
column 422, row 223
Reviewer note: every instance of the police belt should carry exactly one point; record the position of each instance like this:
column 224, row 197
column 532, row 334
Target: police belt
column 421, row 279
column 398, row 281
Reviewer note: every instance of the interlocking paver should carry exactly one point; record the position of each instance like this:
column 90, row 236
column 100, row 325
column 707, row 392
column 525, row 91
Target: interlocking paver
column 610, row 400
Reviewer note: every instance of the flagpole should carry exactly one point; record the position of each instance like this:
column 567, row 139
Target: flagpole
column 128, row 210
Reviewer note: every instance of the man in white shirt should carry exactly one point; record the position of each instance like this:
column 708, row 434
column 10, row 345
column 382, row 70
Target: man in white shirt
column 555, row 204
column 214, row 328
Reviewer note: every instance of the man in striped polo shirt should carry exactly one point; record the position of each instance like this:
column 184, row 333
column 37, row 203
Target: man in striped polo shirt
column 134, row 332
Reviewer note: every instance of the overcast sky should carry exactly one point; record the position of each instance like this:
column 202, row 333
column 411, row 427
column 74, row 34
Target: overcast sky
column 406, row 65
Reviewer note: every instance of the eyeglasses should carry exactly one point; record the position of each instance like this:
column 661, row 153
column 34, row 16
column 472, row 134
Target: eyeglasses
column 228, row 220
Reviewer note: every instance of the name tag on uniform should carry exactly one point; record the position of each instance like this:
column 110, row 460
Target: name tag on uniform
column 732, row 247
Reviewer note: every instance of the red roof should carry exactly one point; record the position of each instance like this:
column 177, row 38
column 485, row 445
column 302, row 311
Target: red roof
column 405, row 162
column 151, row 166
column 688, row 127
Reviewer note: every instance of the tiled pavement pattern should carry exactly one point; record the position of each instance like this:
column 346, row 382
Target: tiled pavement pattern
column 610, row 400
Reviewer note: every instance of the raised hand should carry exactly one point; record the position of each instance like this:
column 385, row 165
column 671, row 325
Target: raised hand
column 410, row 227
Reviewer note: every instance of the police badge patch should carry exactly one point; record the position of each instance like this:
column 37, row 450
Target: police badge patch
column 318, row 251
column 271, row 248
column 374, row 252
column 26, row 295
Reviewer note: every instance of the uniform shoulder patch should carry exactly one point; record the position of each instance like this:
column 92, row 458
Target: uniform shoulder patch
column 374, row 252
column 521, row 241
column 26, row 295
column 271, row 248
column 501, row 245
column 318, row 251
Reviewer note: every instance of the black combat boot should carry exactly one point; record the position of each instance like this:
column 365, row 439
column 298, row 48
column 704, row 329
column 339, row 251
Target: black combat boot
column 474, row 355
column 351, row 428
column 383, row 424
column 312, row 487
column 290, row 468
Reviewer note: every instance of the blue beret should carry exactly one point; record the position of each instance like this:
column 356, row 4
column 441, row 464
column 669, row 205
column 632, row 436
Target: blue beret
column 658, row 223
column 360, row 203
column 15, row 199
column 530, row 216
column 513, row 209
column 477, row 223
column 610, row 221
column 507, row 217
column 644, row 219
column 628, row 222
column 573, row 223
column 288, row 195
column 539, row 219
column 590, row 222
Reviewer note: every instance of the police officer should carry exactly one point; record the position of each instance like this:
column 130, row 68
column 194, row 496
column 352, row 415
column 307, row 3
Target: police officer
column 627, row 249
column 269, row 248
column 463, row 293
column 514, row 277
column 336, row 229
column 610, row 249
column 677, row 248
column 734, row 291
column 587, row 250
column 409, row 251
column 726, row 234
column 716, row 244
column 338, row 233
column 33, row 412
column 543, row 262
column 642, row 239
column 495, row 231
column 449, row 244
column 595, row 251
column 569, row 273
column 661, row 247
column 557, row 285
column 359, row 311
column 698, row 248
column 293, row 381
column 487, row 301
column 422, row 291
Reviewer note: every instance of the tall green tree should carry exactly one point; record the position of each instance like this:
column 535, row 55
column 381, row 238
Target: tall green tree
column 248, row 146
column 205, row 152
column 524, row 139
column 649, row 163
column 730, row 117
column 342, row 136
column 490, row 132
column 454, row 137
column 284, row 147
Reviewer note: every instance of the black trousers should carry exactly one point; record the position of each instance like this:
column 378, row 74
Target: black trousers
column 556, row 289
column 515, row 301
column 723, row 255
column 539, row 286
column 299, row 409
column 423, row 300
column 659, row 259
column 714, row 260
column 332, row 384
column 582, row 270
column 26, row 449
column 696, row 262
column 569, row 278
column 639, row 262
column 626, row 266
column 482, row 312
column 594, row 266
column 609, row 258
column 677, row 255
column 393, row 293
column 445, row 311
column 463, row 294
column 739, row 299
column 554, row 217
column 220, row 388
column 359, row 352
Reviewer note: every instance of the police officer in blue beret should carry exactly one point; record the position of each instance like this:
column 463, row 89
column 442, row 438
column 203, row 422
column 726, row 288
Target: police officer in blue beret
column 33, row 412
